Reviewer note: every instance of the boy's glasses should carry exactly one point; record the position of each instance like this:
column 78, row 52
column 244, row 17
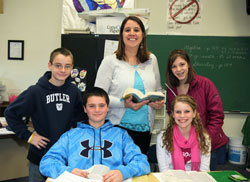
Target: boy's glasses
column 59, row 66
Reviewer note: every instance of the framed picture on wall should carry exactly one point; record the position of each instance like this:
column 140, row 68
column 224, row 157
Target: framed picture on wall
column 15, row 49
column 1, row 6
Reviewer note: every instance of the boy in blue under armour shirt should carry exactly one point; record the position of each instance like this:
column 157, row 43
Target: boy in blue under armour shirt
column 95, row 141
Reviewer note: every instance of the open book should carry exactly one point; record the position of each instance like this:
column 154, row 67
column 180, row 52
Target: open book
column 138, row 96
column 181, row 176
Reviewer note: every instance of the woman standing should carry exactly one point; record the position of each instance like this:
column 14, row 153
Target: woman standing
column 185, row 144
column 132, row 66
column 182, row 79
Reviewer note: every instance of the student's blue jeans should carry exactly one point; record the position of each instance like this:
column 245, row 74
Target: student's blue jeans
column 34, row 173
column 218, row 156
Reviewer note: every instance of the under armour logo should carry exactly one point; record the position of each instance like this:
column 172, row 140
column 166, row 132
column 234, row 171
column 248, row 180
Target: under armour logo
column 107, row 145
column 59, row 106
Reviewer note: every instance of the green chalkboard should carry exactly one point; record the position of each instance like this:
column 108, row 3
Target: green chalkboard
column 224, row 60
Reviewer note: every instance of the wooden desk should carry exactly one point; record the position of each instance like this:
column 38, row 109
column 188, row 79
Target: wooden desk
column 13, row 161
column 145, row 178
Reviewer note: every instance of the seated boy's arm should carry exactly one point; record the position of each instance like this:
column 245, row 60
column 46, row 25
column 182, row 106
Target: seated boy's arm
column 113, row 176
column 135, row 163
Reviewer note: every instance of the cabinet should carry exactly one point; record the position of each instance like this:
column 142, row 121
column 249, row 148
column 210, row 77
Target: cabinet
column 160, row 122
column 13, row 155
column 88, row 50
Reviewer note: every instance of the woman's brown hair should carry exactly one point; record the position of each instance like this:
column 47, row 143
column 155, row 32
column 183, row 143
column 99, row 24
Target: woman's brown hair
column 142, row 52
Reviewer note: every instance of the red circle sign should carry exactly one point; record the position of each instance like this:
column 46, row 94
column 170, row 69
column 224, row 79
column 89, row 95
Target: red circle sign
column 173, row 16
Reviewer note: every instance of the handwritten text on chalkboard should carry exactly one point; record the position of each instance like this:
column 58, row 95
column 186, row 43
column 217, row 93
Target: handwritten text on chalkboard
column 216, row 57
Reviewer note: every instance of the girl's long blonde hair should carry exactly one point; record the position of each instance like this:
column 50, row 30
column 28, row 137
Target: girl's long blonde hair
column 201, row 132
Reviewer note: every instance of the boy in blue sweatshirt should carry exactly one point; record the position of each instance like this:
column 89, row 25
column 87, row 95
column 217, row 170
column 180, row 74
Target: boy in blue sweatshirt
column 95, row 141
column 54, row 105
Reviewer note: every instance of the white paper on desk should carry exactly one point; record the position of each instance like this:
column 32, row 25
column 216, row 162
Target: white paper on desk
column 181, row 176
column 110, row 47
column 4, row 131
column 69, row 177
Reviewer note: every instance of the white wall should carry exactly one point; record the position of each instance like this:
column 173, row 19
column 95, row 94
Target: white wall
column 219, row 17
column 38, row 23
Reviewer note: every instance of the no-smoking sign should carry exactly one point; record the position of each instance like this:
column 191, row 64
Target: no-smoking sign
column 184, row 12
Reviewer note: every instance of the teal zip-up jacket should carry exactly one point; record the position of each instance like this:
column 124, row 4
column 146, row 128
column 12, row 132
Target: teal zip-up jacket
column 85, row 146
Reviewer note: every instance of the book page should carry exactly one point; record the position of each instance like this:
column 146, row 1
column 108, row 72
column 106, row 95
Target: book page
column 200, row 176
column 183, row 176
column 155, row 94
column 130, row 91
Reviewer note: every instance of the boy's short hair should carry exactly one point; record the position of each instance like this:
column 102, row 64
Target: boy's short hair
column 95, row 91
column 62, row 51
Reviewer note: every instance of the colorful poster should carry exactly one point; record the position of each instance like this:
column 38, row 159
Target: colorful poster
column 88, row 5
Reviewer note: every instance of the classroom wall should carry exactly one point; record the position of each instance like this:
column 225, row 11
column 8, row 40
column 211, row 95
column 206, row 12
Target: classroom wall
column 219, row 18
column 38, row 23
